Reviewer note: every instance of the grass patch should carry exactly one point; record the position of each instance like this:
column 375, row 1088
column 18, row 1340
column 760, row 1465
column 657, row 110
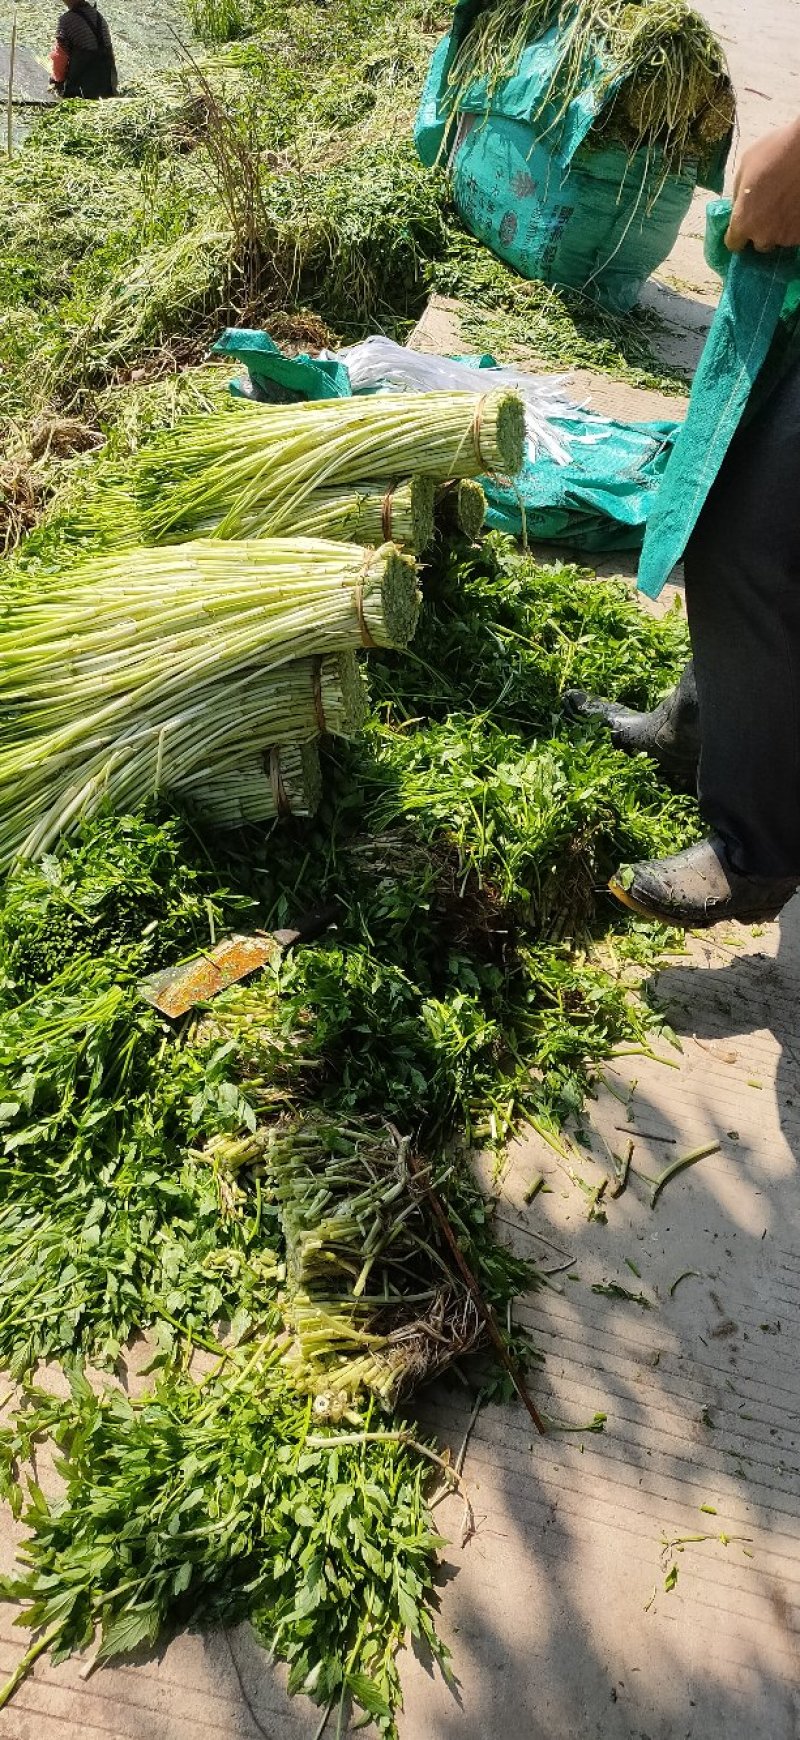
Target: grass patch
column 273, row 182
column 512, row 317
column 347, row 240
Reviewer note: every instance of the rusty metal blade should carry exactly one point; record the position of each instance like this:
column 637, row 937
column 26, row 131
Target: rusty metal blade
column 178, row 989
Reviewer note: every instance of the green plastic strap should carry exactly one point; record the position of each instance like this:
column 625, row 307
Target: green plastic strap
column 745, row 323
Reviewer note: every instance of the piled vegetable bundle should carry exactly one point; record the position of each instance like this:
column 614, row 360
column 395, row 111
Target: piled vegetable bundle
column 217, row 1501
column 261, row 760
column 373, row 1300
column 460, row 508
column 283, row 780
column 138, row 673
column 369, row 513
column 267, row 470
column 145, row 672
column 365, row 513
column 664, row 81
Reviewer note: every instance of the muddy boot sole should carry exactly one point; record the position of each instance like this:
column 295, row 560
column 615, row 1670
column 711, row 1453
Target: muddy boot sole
column 698, row 888
column 659, row 914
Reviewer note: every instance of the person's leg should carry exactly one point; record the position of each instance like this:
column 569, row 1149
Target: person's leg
column 742, row 571
column 670, row 732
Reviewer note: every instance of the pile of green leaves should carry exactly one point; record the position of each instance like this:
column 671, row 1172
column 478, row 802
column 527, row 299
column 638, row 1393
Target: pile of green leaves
column 91, row 189
column 108, row 1221
column 216, row 1502
column 540, row 630
column 467, row 840
column 368, row 226
column 113, row 1221
column 130, row 884
column 473, row 974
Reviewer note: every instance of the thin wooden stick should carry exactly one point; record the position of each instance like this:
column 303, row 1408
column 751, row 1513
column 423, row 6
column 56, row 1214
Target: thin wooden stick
column 459, row 1461
column 646, row 1135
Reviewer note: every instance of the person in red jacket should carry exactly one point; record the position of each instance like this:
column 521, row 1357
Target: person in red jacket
column 82, row 61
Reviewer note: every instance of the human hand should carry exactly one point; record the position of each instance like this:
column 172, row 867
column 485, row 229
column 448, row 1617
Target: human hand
column 766, row 194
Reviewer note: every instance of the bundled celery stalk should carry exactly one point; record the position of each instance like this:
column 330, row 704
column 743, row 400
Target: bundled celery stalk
column 372, row 513
column 258, row 470
column 460, row 507
column 261, row 762
column 129, row 674
column 293, row 703
column 360, row 513
column 372, row 1299
column 285, row 780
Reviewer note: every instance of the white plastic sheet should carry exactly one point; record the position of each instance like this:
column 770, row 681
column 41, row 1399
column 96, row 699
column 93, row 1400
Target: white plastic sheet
column 380, row 362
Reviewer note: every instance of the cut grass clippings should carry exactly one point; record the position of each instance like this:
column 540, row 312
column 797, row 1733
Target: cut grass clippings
column 514, row 318
column 659, row 75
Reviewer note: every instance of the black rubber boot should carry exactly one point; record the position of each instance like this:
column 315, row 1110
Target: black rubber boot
column 700, row 887
column 670, row 733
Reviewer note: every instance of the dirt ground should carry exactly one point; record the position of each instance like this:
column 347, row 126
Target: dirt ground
column 558, row 1612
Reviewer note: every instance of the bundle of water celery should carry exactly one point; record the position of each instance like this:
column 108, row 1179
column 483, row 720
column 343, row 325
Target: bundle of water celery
column 164, row 669
column 267, row 470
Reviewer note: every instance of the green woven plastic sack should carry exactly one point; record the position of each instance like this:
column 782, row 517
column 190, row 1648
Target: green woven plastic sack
column 601, row 221
column 519, row 98
column 431, row 125
column 759, row 291
column 599, row 500
column 531, row 186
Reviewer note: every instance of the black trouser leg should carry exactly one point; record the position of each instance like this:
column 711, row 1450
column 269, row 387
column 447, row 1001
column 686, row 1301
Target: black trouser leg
column 743, row 600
